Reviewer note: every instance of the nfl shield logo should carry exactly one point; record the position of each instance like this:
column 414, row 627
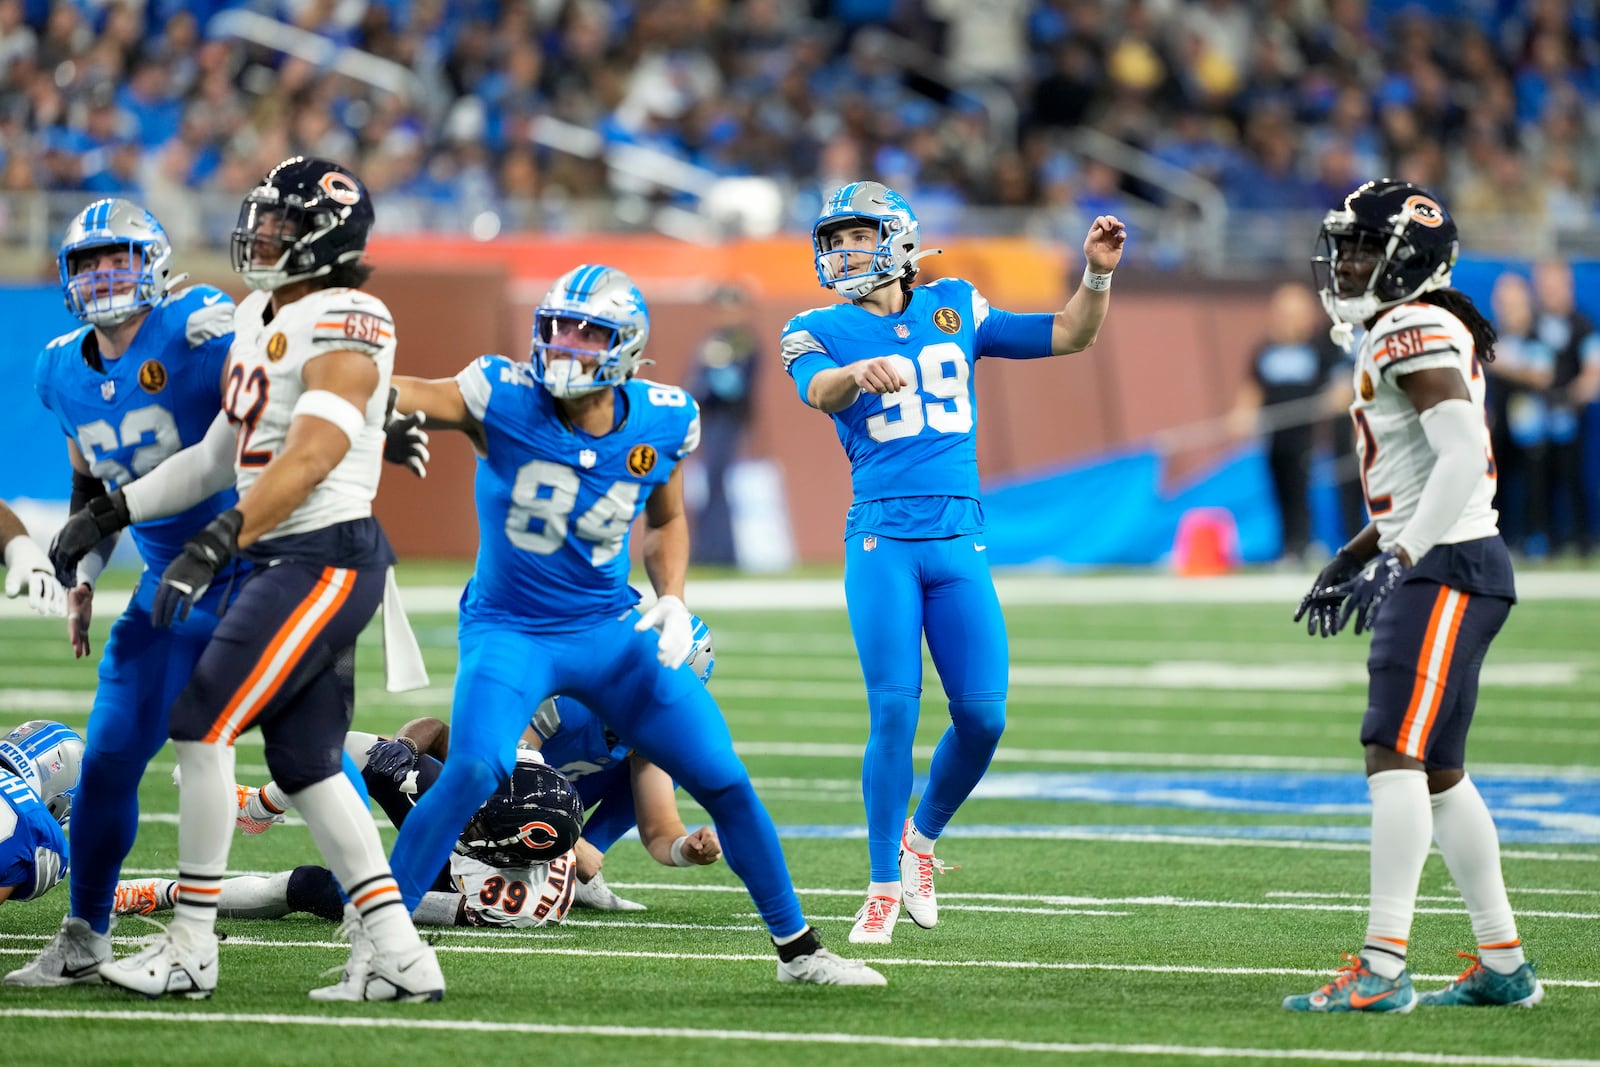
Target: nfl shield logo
column 586, row 458
column 869, row 543
column 902, row 331
column 108, row 389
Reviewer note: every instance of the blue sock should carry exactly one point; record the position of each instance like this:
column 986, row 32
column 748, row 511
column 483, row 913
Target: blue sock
column 105, row 818
column 960, row 759
column 886, row 777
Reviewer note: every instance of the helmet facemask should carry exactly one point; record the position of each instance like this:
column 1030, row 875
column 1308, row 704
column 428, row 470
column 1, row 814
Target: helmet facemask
column 110, row 296
column 888, row 261
column 272, row 243
column 589, row 332
column 1361, row 270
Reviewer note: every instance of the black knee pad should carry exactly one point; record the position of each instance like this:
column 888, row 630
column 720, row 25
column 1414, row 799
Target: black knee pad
column 314, row 890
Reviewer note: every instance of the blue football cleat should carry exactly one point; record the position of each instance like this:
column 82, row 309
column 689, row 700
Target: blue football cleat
column 1356, row 988
column 1478, row 986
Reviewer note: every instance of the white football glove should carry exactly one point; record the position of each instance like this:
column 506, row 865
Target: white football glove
column 28, row 568
column 672, row 619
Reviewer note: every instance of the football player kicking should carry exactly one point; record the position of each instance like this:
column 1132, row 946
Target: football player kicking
column 572, row 448
column 1431, row 579
column 501, row 873
column 302, row 437
column 894, row 368
column 40, row 763
column 28, row 569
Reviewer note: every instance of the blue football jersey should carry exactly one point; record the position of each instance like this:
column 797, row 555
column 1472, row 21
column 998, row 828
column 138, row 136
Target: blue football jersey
column 920, row 441
column 159, row 397
column 577, row 744
column 33, row 850
column 555, row 504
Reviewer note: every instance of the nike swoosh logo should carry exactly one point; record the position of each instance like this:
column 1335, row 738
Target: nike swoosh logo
column 212, row 299
column 979, row 548
column 1358, row 1001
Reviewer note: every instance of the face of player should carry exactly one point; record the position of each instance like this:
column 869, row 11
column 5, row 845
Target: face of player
column 854, row 237
column 1354, row 266
column 97, row 260
column 578, row 337
column 271, row 238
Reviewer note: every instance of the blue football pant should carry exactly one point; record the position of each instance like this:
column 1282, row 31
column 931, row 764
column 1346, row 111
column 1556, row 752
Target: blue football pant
column 142, row 671
column 608, row 797
column 667, row 716
column 898, row 591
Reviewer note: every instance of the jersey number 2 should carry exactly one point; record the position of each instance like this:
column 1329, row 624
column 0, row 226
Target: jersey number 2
column 943, row 372
column 244, row 399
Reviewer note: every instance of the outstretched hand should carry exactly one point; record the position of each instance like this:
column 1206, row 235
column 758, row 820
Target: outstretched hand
column 1102, row 249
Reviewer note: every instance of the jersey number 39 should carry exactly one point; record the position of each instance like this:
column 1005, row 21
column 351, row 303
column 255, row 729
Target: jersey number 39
column 942, row 371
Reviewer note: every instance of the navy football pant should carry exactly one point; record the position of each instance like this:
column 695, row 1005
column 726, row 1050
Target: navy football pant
column 897, row 591
column 667, row 716
column 1423, row 669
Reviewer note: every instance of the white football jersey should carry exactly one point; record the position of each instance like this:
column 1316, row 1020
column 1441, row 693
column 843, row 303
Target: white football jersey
column 1396, row 458
column 263, row 383
column 516, row 897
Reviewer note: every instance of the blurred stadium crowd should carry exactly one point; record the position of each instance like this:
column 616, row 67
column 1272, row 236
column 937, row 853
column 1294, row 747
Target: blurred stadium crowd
column 1282, row 104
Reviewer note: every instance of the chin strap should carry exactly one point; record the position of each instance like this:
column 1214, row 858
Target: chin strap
column 1344, row 335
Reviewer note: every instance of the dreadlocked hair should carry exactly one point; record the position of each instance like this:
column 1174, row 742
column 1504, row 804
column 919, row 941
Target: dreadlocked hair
column 1461, row 306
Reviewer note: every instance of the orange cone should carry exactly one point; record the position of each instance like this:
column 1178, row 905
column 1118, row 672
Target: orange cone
column 1207, row 543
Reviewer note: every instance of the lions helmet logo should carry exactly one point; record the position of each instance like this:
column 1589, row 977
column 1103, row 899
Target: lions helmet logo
column 947, row 320
column 1421, row 209
column 340, row 188
column 641, row 460
column 277, row 345
column 152, row 376
column 1367, row 391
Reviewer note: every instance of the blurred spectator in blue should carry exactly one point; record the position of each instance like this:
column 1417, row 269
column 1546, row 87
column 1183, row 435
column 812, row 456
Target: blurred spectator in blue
column 1519, row 378
column 1574, row 385
column 722, row 378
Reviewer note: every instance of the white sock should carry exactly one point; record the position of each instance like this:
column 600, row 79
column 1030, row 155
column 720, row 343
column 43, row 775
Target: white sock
column 274, row 798
column 1471, row 847
column 918, row 841
column 1402, row 829
column 206, row 807
column 252, row 897
column 345, row 834
column 884, row 889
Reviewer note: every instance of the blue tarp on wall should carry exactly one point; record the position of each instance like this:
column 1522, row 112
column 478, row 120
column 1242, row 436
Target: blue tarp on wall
column 33, row 453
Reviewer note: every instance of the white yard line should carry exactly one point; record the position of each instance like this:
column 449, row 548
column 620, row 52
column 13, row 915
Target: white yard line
column 1207, row 1052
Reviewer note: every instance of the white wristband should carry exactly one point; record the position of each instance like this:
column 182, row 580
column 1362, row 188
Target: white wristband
column 678, row 858
column 1098, row 282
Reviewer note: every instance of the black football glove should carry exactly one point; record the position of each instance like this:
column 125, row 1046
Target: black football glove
column 1320, row 606
column 187, row 578
column 392, row 759
column 101, row 517
column 405, row 442
column 1368, row 590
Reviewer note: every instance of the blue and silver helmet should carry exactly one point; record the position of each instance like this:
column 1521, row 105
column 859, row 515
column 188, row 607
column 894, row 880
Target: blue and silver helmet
column 593, row 295
column 702, row 657
column 49, row 757
column 899, row 239
column 109, row 297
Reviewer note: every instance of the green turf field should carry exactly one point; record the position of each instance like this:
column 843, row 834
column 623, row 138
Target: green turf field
column 1082, row 927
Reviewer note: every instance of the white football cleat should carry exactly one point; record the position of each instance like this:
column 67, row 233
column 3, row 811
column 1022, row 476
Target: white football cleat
column 916, row 880
column 254, row 817
column 824, row 968
column 73, row 957
column 176, row 961
column 372, row 975
column 597, row 895
column 875, row 921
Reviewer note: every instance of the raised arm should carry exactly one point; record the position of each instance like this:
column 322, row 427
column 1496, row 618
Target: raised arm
column 1078, row 324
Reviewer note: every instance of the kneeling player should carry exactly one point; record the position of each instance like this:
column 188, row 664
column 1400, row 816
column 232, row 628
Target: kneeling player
column 39, row 763
column 513, row 865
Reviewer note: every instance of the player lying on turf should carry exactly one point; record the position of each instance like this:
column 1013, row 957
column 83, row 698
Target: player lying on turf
column 39, row 765
column 512, row 866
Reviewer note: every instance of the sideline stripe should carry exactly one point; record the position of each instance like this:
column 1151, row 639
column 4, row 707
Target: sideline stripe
column 1210, row 1052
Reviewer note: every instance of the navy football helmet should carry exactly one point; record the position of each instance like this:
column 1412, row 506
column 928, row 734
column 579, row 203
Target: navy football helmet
column 1390, row 243
column 536, row 817
column 305, row 218
column 49, row 757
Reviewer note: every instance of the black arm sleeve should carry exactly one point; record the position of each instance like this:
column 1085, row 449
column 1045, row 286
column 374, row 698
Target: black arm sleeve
column 85, row 487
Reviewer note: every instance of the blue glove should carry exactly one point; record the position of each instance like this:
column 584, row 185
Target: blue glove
column 187, row 578
column 1320, row 606
column 1366, row 592
column 393, row 759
